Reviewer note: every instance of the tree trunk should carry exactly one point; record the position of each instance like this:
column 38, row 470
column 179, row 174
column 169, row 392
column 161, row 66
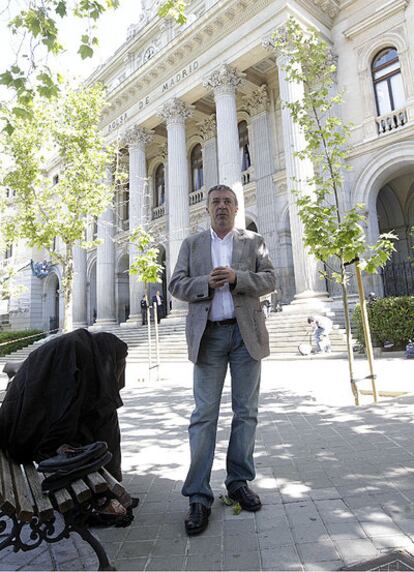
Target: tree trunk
column 67, row 283
column 349, row 348
column 367, row 331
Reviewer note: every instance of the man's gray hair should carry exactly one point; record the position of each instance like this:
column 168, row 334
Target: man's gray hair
column 222, row 188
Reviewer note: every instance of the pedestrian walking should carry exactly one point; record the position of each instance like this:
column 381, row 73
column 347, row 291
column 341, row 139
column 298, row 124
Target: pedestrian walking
column 158, row 300
column 322, row 327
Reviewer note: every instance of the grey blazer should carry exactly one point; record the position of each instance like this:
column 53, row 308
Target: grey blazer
column 255, row 278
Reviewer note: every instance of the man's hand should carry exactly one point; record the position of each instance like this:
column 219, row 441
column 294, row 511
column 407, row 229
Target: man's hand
column 220, row 276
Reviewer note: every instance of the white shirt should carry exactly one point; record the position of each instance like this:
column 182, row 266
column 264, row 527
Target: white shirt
column 222, row 307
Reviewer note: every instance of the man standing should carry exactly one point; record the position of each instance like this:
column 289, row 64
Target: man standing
column 158, row 300
column 222, row 273
column 144, row 306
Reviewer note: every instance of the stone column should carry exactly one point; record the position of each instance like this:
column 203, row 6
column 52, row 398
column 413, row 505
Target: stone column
column 310, row 289
column 224, row 82
column 137, row 138
column 210, row 164
column 105, row 270
column 80, row 319
column 258, row 105
column 175, row 112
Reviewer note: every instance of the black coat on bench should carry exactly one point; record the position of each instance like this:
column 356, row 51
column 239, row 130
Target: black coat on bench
column 66, row 391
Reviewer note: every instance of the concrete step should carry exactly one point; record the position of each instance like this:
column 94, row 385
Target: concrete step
column 286, row 332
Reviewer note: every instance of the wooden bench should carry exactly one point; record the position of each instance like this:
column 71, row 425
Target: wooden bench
column 28, row 515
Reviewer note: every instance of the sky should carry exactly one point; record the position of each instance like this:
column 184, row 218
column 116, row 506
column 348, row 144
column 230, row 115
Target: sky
column 112, row 29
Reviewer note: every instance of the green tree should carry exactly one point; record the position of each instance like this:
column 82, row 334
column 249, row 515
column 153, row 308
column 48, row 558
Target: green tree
column 36, row 27
column 65, row 130
column 145, row 266
column 334, row 235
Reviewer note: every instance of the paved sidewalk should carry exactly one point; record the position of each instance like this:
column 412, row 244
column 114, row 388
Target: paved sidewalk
column 337, row 482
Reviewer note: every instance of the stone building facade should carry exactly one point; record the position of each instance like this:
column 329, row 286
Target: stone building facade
column 200, row 104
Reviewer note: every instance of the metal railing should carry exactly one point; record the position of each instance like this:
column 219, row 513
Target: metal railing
column 398, row 279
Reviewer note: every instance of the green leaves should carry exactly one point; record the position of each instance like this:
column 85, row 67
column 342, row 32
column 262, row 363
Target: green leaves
column 330, row 231
column 174, row 9
column 145, row 265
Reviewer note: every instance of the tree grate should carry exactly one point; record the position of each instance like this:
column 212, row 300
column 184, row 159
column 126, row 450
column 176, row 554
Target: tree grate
column 396, row 560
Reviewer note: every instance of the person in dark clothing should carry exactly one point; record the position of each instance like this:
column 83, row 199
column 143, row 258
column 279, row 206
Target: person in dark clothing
column 144, row 306
column 66, row 391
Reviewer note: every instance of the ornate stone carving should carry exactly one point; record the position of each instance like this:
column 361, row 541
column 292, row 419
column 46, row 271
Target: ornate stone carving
column 226, row 78
column 163, row 152
column 330, row 7
column 208, row 128
column 258, row 101
column 137, row 136
column 175, row 111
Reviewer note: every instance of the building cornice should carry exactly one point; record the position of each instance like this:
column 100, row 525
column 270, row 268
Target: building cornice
column 381, row 13
column 359, row 149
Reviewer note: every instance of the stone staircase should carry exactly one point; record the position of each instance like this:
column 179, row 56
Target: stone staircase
column 286, row 332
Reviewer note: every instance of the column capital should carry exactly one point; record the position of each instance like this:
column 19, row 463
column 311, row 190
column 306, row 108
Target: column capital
column 136, row 136
column 279, row 36
column 225, row 79
column 163, row 152
column 258, row 101
column 208, row 127
column 175, row 111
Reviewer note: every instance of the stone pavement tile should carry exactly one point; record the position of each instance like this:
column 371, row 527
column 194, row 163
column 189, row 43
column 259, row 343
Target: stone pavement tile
column 378, row 529
column 166, row 563
column 345, row 530
column 328, row 493
column 131, row 564
column 314, row 532
column 242, row 560
column 150, row 519
column 203, row 562
column 371, row 514
column 320, row 551
column 204, row 545
column 152, row 507
column 172, row 530
column 136, row 549
column 143, row 532
column 282, row 558
column 328, row 566
column 244, row 515
column 111, row 534
column 271, row 497
column 406, row 525
column 294, row 491
column 239, row 527
column 233, row 544
column 355, row 550
column 165, row 546
column 274, row 537
column 395, row 541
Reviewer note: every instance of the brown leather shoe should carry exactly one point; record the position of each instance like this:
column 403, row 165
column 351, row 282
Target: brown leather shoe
column 196, row 520
column 246, row 498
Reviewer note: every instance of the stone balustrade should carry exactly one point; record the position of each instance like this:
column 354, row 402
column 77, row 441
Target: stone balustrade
column 391, row 121
column 158, row 212
column 196, row 197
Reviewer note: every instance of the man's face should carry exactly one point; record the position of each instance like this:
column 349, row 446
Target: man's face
column 222, row 209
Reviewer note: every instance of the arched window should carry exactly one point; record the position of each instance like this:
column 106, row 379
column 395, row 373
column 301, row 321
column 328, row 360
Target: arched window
column 197, row 174
column 244, row 146
column 159, row 190
column 388, row 84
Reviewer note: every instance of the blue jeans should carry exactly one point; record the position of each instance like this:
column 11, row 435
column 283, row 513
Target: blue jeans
column 221, row 346
column 323, row 343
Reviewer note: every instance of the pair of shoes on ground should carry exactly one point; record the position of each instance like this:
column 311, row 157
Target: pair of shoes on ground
column 114, row 514
column 197, row 517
